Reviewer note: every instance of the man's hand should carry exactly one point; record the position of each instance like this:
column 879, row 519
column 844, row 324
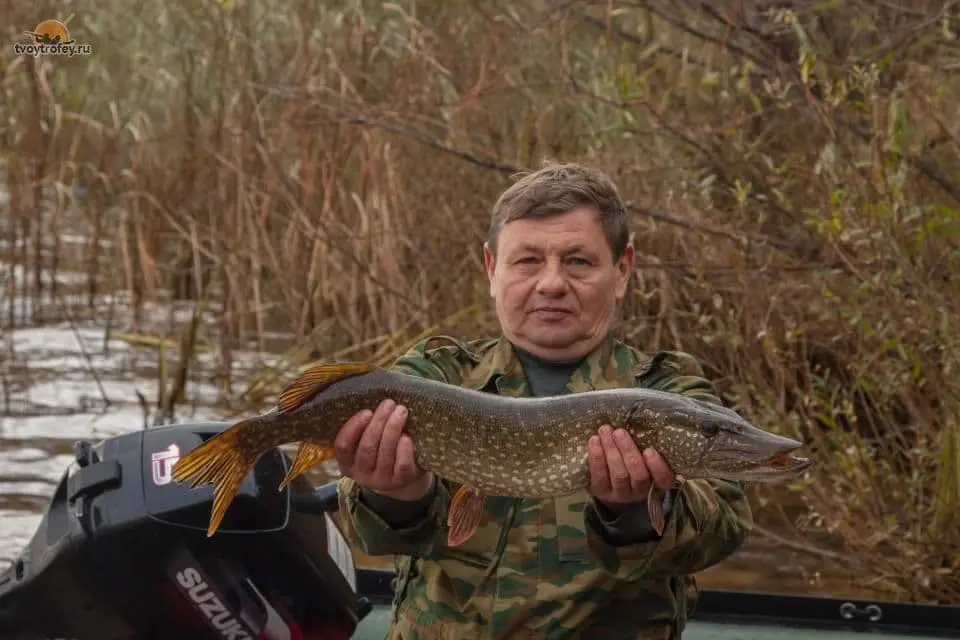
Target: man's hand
column 619, row 473
column 372, row 449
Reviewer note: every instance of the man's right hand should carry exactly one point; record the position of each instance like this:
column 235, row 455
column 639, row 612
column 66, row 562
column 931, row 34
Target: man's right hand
column 372, row 449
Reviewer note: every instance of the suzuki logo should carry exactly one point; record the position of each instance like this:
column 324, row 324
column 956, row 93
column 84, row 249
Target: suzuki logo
column 210, row 605
column 162, row 463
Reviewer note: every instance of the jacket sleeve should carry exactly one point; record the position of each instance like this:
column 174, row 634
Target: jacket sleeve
column 707, row 520
column 379, row 525
column 631, row 524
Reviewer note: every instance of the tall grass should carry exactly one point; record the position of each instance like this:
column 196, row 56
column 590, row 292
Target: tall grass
column 327, row 172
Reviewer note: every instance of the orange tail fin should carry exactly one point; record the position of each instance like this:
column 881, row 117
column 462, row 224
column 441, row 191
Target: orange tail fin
column 223, row 461
column 220, row 461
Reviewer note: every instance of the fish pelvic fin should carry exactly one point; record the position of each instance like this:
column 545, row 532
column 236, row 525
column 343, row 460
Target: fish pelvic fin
column 463, row 515
column 317, row 378
column 308, row 455
column 655, row 509
column 223, row 462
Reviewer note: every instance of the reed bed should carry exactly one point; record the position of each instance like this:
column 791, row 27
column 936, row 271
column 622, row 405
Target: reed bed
column 318, row 179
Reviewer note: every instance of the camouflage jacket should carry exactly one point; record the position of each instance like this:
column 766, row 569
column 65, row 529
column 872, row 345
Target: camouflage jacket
column 542, row 569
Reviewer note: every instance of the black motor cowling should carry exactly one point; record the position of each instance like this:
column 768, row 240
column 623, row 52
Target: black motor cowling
column 122, row 553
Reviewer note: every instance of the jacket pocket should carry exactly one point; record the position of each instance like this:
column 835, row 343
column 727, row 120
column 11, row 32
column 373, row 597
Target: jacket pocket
column 571, row 529
column 485, row 546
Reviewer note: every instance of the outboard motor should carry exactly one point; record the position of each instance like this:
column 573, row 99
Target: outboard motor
column 122, row 553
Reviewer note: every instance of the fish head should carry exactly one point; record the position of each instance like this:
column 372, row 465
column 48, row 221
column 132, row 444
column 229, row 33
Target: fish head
column 699, row 439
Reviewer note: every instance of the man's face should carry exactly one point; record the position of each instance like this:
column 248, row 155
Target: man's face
column 556, row 284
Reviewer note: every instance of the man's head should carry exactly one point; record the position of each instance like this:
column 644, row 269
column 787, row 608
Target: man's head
column 559, row 258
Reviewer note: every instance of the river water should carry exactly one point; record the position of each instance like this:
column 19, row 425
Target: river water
column 67, row 381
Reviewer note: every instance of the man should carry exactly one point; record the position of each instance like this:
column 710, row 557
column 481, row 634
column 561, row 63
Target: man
column 587, row 565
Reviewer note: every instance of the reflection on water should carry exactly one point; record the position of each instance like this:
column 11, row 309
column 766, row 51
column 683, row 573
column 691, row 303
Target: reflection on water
column 63, row 383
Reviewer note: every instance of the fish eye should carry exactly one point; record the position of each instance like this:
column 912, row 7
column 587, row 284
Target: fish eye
column 709, row 428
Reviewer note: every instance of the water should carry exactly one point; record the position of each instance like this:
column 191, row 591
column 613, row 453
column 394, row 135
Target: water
column 69, row 381
column 52, row 400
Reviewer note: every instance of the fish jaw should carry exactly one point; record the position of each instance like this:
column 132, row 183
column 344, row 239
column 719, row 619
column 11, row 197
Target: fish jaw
column 700, row 439
column 754, row 455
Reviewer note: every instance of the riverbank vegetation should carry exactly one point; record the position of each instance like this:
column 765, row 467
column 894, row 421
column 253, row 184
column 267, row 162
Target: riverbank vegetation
column 325, row 174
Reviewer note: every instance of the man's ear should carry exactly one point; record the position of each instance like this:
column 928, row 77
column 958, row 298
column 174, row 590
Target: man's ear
column 625, row 270
column 490, row 263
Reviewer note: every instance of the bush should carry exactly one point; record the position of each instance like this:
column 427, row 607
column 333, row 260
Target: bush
column 328, row 172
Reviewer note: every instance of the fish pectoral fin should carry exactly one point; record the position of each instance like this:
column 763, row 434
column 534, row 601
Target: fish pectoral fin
column 308, row 455
column 463, row 516
column 655, row 509
column 317, row 378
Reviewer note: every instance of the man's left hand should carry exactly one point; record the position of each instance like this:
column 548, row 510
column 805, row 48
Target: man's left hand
column 619, row 473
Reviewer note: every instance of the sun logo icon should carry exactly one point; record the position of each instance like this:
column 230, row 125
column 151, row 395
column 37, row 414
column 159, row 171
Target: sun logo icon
column 50, row 32
column 51, row 37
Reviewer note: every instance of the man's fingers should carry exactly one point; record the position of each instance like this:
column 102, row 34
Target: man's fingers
column 633, row 460
column 597, row 462
column 619, row 476
column 662, row 476
column 369, row 445
column 392, row 430
column 345, row 444
column 405, row 467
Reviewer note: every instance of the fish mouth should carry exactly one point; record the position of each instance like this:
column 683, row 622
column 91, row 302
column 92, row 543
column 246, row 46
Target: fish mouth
column 735, row 465
column 786, row 462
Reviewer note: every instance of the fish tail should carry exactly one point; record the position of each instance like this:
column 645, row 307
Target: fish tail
column 223, row 462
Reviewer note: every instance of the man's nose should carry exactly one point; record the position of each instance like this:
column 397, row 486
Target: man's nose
column 552, row 281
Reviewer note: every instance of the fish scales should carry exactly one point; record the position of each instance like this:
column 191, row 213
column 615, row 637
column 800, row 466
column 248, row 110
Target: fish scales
column 531, row 447
column 492, row 444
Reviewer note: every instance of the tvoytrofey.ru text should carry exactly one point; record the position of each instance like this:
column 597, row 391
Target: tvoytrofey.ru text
column 43, row 49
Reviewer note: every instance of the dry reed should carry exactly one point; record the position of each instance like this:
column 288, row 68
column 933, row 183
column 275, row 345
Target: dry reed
column 326, row 173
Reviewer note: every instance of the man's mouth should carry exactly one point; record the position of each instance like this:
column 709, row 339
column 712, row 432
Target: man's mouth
column 550, row 313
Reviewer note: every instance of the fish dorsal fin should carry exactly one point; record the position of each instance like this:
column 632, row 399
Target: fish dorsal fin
column 317, row 378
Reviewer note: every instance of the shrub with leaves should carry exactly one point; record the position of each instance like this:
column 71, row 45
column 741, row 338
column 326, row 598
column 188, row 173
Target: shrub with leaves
column 328, row 172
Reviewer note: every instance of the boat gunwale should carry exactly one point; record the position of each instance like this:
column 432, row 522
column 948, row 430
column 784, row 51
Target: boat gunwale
column 751, row 608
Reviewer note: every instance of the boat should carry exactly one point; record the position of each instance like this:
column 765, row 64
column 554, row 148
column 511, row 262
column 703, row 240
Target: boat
column 121, row 553
column 744, row 615
column 723, row 614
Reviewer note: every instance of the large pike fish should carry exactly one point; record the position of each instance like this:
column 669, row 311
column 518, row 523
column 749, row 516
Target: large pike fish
column 490, row 444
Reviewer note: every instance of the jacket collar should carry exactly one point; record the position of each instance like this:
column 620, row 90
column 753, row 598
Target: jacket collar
column 610, row 365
